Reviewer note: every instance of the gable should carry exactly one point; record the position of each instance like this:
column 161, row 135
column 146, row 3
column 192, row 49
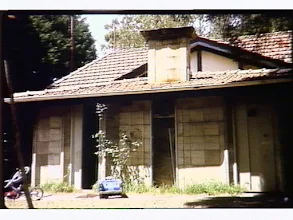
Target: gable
column 215, row 62
column 271, row 50
column 211, row 62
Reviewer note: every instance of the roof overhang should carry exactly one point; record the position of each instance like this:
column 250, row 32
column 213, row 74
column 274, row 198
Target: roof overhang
column 150, row 91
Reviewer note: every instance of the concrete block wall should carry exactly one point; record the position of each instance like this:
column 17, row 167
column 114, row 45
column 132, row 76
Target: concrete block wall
column 134, row 121
column 48, row 147
column 200, row 140
column 57, row 146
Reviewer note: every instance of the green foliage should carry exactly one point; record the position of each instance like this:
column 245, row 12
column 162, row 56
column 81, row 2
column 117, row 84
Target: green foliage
column 54, row 33
column 234, row 25
column 38, row 48
column 124, row 32
column 210, row 188
column 213, row 188
column 95, row 187
column 118, row 153
column 57, row 187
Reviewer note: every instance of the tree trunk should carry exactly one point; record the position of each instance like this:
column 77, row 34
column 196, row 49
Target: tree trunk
column 2, row 203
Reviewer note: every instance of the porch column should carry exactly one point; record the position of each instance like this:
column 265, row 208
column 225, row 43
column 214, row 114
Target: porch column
column 33, row 170
column 76, row 147
column 102, row 169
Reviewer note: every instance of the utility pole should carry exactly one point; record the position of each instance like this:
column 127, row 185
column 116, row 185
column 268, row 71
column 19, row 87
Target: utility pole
column 72, row 43
column 114, row 27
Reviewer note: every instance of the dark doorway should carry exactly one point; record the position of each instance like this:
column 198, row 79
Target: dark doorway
column 163, row 142
column 26, row 121
column 89, row 159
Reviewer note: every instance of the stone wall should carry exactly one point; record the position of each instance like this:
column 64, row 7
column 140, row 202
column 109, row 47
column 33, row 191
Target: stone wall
column 201, row 141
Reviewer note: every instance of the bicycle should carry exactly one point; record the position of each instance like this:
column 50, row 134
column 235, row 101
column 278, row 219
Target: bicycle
column 36, row 193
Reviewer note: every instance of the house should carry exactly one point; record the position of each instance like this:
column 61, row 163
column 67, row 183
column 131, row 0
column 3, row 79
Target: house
column 203, row 109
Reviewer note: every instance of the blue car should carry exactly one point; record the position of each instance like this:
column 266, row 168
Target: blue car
column 110, row 187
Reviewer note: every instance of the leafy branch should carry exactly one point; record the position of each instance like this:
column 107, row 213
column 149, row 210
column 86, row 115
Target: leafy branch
column 118, row 153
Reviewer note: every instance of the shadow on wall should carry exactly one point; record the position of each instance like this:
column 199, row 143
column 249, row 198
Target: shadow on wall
column 206, row 158
column 264, row 200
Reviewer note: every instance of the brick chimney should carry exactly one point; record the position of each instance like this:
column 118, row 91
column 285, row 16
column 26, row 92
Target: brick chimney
column 168, row 54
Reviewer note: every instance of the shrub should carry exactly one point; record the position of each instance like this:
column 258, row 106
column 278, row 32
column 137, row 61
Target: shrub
column 210, row 188
column 57, row 187
column 213, row 188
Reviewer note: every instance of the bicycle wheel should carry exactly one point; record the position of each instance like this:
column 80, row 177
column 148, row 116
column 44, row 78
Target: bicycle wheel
column 36, row 193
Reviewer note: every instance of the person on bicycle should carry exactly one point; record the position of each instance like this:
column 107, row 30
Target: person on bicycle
column 17, row 179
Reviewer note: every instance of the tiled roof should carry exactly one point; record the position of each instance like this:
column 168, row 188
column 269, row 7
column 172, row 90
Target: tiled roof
column 108, row 68
column 276, row 45
column 141, row 85
column 120, row 62
column 101, row 76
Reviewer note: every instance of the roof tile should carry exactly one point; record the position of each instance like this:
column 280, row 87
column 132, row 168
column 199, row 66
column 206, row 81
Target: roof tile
column 114, row 65
column 200, row 79
column 108, row 68
column 276, row 45
column 100, row 76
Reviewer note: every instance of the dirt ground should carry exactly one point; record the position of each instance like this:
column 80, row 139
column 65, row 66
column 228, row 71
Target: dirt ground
column 91, row 200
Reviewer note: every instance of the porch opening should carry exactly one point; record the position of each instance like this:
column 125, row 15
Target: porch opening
column 89, row 159
column 163, row 132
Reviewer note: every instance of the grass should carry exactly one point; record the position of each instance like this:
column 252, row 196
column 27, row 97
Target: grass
column 57, row 187
column 210, row 188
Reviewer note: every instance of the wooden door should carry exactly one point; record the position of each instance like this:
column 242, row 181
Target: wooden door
column 261, row 148
column 255, row 147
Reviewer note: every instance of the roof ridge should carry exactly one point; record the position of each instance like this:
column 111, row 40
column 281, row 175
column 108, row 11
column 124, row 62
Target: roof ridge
column 247, row 36
column 247, row 71
column 266, row 33
column 127, row 49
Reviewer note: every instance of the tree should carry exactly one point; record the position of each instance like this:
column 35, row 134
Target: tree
column 22, row 49
column 124, row 33
column 38, row 48
column 54, row 34
column 233, row 25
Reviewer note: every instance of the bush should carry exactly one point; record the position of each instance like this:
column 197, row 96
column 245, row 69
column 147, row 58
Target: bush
column 210, row 188
column 213, row 188
column 57, row 187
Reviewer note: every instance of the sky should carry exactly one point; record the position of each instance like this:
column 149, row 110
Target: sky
column 96, row 26
column 97, row 22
